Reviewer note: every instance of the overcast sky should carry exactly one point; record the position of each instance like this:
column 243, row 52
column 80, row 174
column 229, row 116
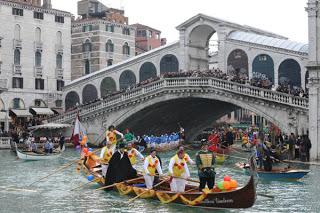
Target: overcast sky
column 284, row 17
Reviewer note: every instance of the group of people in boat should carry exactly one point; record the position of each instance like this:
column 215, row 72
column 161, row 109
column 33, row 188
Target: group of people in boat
column 118, row 163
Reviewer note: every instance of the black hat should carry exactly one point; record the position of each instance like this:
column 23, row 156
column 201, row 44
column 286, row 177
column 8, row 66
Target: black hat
column 152, row 150
column 122, row 145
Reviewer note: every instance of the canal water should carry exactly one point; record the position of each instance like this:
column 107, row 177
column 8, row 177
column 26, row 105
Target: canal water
column 53, row 195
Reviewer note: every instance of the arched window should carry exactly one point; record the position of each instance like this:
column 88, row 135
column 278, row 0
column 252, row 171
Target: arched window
column 59, row 61
column 72, row 100
column 127, row 79
column 87, row 46
column 147, row 71
column 108, row 86
column 17, row 103
column 38, row 34
column 238, row 63
column 109, row 46
column 39, row 103
column 38, row 59
column 126, row 31
column 290, row 73
column 169, row 63
column 17, row 56
column 59, row 38
column 89, row 93
column 263, row 67
column 126, row 49
column 87, row 66
column 17, row 31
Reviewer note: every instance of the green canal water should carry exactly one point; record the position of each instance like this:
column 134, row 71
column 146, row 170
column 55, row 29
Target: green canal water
column 53, row 195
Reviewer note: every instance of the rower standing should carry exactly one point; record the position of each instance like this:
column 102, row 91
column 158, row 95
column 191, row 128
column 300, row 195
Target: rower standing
column 133, row 154
column 111, row 135
column 179, row 171
column 186, row 157
column 105, row 156
column 205, row 162
column 151, row 164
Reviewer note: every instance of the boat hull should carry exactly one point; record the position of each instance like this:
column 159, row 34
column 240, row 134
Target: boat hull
column 31, row 156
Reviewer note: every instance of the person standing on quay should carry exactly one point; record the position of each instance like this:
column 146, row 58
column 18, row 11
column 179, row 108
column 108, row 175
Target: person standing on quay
column 111, row 135
column 205, row 162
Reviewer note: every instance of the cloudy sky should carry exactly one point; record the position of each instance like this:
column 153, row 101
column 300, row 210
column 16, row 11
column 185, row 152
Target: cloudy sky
column 284, row 17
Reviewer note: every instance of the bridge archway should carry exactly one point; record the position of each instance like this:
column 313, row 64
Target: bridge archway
column 237, row 63
column 127, row 79
column 290, row 72
column 89, row 93
column 107, row 86
column 169, row 63
column 263, row 65
column 71, row 100
column 147, row 70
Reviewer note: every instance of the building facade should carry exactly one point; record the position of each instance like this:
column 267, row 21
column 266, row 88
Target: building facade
column 147, row 38
column 35, row 54
column 100, row 38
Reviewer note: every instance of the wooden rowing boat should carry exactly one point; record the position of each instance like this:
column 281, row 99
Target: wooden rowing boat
column 26, row 155
column 277, row 174
column 243, row 197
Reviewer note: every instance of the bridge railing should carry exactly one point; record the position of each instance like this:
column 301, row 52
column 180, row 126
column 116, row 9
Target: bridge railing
column 224, row 85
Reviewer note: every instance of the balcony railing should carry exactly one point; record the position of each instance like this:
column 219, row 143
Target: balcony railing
column 38, row 45
column 17, row 43
column 59, row 73
column 16, row 69
column 38, row 71
column 59, row 48
column 86, row 55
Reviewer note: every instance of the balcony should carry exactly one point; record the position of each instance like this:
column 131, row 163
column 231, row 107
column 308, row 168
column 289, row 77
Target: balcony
column 38, row 45
column 86, row 55
column 16, row 69
column 17, row 43
column 59, row 48
column 59, row 73
column 38, row 71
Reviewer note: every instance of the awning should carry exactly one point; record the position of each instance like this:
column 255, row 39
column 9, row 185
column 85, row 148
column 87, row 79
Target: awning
column 50, row 126
column 41, row 111
column 21, row 113
column 2, row 116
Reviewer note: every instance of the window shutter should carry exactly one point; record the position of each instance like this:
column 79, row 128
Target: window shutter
column 42, row 84
column 21, row 83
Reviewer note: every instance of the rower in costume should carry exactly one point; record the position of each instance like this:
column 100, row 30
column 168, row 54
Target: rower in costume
column 205, row 162
column 133, row 154
column 111, row 135
column 178, row 169
column 105, row 156
column 151, row 164
column 120, row 168
column 186, row 157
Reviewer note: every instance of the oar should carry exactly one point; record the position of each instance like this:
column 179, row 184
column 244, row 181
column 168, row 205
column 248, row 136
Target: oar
column 112, row 185
column 139, row 195
column 264, row 195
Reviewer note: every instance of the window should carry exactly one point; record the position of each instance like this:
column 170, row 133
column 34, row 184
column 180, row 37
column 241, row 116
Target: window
column 109, row 62
column 37, row 103
column 37, row 15
column 157, row 36
column 126, row 31
column 39, row 84
column 126, row 49
column 59, row 38
column 59, row 19
column 60, row 85
column 109, row 46
column 110, row 28
column 17, row 82
column 59, row 103
column 16, row 57
column 87, row 28
column 87, row 46
column 59, row 61
column 38, row 34
column 38, row 59
column 17, row 30
column 17, row 12
column 87, row 67
column 149, row 33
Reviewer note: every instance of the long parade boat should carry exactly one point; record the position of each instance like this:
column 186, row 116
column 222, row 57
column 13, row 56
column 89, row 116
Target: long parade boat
column 26, row 155
column 241, row 197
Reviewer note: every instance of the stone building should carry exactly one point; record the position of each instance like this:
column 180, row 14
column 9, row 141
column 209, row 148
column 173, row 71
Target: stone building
column 35, row 55
column 101, row 37
column 147, row 38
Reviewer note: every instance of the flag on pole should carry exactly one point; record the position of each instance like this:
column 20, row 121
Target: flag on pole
column 78, row 132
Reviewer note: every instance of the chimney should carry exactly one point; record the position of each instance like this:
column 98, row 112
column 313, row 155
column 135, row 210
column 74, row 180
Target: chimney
column 47, row 4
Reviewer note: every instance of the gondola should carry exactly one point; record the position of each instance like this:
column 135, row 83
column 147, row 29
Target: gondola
column 243, row 197
column 26, row 155
column 277, row 174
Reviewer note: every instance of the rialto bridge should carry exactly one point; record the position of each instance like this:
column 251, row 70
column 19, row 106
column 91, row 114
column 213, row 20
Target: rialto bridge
column 195, row 102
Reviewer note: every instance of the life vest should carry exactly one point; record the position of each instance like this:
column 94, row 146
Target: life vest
column 91, row 160
column 132, row 154
column 185, row 158
column 178, row 168
column 206, row 159
column 106, row 155
column 244, row 139
column 152, row 166
column 112, row 137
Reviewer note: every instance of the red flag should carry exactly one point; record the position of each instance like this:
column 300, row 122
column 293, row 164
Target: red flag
column 78, row 132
